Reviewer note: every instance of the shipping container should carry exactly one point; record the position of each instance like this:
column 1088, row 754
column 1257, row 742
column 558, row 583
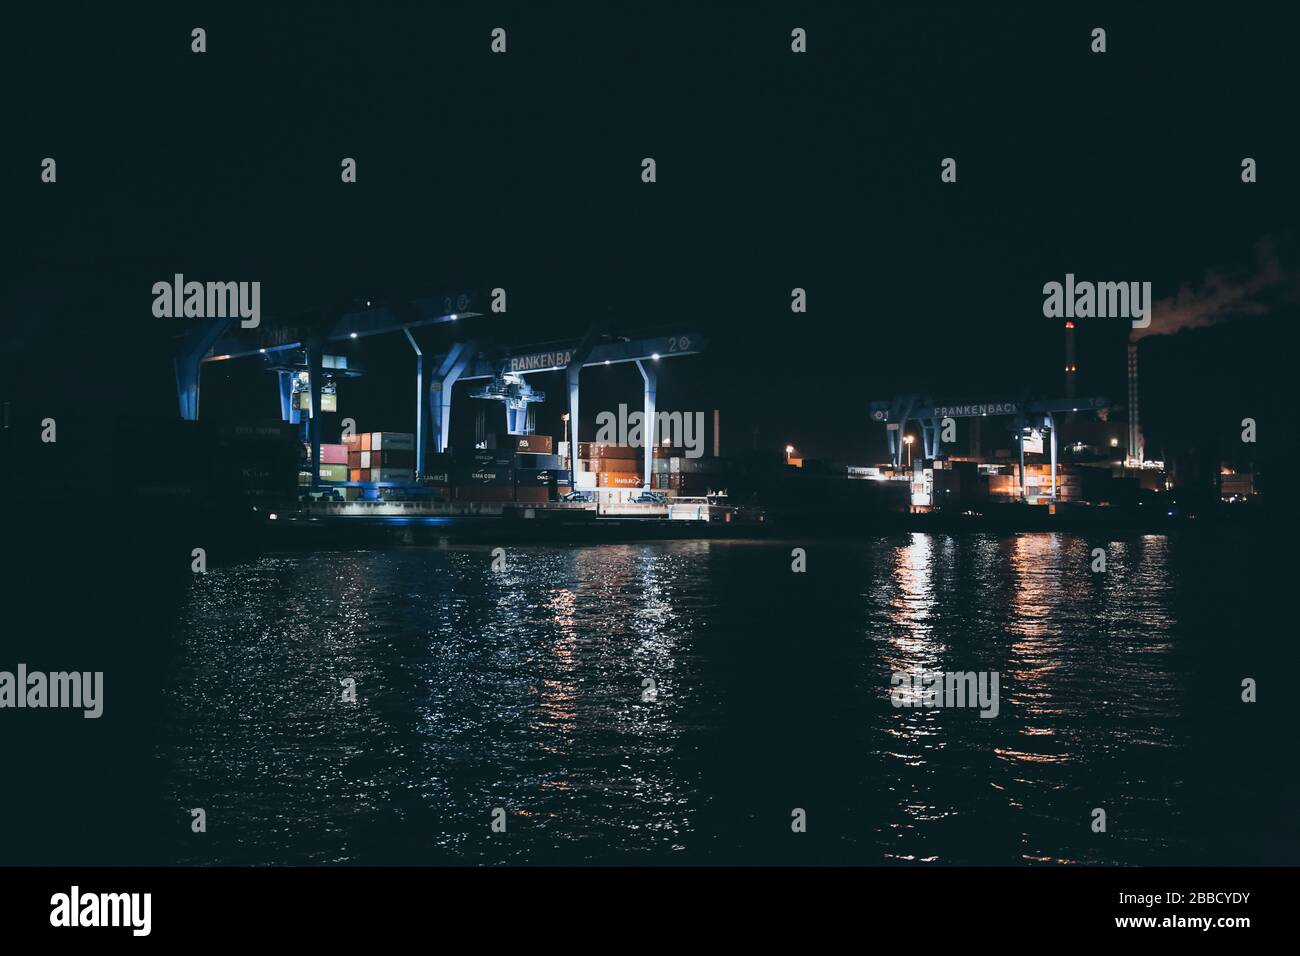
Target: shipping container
column 392, row 474
column 611, row 464
column 538, row 444
column 533, row 477
column 329, row 454
column 479, row 458
column 616, row 479
column 392, row 459
column 541, row 476
column 533, row 495
column 688, row 466
column 526, row 460
column 358, row 474
column 333, row 472
column 483, row 475
column 392, row 441
column 591, row 449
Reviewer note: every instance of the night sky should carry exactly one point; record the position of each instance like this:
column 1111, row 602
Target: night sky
column 775, row 170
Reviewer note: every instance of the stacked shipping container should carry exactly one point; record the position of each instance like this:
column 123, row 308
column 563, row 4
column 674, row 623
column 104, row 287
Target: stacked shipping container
column 381, row 456
column 333, row 464
column 672, row 472
column 539, row 474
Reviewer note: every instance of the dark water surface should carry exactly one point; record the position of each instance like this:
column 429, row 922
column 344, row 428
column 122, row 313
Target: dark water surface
column 523, row 689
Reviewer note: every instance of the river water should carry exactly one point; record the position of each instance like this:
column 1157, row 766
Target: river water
column 521, row 695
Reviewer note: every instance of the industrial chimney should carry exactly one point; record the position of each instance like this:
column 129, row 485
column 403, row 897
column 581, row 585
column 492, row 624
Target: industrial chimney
column 1135, row 450
column 1070, row 367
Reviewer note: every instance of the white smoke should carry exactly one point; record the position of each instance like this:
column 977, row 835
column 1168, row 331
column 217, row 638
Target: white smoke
column 1225, row 296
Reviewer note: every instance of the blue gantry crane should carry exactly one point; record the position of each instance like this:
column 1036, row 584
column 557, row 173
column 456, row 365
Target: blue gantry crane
column 293, row 346
column 465, row 361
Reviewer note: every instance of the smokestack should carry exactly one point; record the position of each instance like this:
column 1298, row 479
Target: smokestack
column 1070, row 367
column 1135, row 450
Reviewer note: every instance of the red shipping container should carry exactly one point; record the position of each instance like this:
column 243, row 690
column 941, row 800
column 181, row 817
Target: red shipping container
column 334, row 454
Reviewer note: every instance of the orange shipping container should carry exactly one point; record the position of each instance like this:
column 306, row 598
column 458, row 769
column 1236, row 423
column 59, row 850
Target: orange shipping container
column 618, row 479
column 591, row 449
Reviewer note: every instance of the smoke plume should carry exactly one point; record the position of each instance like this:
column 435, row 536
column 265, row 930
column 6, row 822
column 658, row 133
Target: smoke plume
column 1225, row 296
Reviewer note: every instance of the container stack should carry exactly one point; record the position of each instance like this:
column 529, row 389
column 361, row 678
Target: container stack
column 675, row 474
column 614, row 466
column 483, row 475
column 380, row 456
column 540, row 475
column 333, row 465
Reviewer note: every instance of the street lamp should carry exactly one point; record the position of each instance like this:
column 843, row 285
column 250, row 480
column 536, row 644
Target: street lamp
column 789, row 450
column 907, row 440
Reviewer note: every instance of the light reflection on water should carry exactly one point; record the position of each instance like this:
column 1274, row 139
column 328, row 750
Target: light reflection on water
column 522, row 689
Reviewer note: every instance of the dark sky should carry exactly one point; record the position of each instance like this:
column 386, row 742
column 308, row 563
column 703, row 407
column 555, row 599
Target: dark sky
column 775, row 170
